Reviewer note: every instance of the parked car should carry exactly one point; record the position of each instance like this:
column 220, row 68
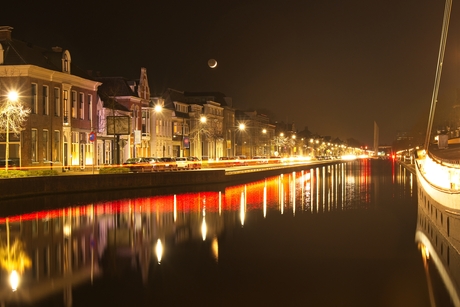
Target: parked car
column 169, row 163
column 241, row 160
column 157, row 164
column 275, row 159
column 228, row 161
column 182, row 163
column 260, row 159
column 137, row 165
column 194, row 163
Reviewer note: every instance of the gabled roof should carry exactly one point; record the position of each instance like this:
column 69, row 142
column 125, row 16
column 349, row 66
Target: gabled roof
column 219, row 97
column 181, row 114
column 171, row 95
column 17, row 52
column 115, row 86
column 112, row 87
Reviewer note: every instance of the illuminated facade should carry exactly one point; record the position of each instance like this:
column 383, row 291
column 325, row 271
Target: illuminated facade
column 61, row 99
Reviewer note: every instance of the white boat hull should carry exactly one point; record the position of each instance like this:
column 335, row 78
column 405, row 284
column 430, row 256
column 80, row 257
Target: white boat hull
column 449, row 198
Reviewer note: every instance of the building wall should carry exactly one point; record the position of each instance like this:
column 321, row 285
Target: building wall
column 48, row 148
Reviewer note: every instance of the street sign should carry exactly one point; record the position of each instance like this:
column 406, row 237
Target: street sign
column 92, row 137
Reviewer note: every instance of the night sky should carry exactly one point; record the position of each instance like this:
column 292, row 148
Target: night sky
column 335, row 66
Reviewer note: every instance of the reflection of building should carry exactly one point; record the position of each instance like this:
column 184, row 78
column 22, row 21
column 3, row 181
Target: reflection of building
column 62, row 245
column 68, row 245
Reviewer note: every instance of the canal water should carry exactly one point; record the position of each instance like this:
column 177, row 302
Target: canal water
column 337, row 235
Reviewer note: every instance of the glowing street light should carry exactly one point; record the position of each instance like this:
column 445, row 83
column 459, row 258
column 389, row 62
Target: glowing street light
column 158, row 108
column 203, row 120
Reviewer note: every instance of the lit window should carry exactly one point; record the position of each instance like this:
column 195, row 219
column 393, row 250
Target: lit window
column 45, row 148
column 73, row 106
column 66, row 107
column 57, row 145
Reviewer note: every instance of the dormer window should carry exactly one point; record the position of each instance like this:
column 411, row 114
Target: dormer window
column 66, row 62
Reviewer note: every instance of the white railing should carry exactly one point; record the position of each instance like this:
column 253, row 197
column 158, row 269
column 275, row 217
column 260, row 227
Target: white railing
column 445, row 177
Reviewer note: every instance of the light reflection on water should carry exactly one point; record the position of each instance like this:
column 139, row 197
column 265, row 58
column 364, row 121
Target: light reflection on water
column 95, row 244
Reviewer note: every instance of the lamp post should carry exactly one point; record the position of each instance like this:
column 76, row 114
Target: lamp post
column 200, row 145
column 12, row 97
column 264, row 132
column 241, row 128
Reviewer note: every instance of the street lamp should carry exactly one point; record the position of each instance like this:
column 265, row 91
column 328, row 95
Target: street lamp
column 12, row 97
column 158, row 108
column 264, row 132
column 203, row 120
column 241, row 127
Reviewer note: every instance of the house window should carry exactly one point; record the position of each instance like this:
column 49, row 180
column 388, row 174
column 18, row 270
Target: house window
column 34, row 101
column 75, row 151
column 90, row 105
column 57, row 101
column 73, row 101
column 45, row 93
column 66, row 107
column 81, row 100
column 57, row 145
column 33, row 146
column 145, row 123
column 175, row 128
column 45, row 148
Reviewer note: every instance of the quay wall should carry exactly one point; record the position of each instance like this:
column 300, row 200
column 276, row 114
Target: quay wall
column 45, row 185
column 87, row 183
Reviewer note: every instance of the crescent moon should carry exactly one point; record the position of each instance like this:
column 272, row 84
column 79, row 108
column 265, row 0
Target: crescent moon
column 212, row 63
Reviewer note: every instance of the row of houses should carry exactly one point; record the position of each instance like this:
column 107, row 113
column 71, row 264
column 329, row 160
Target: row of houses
column 79, row 119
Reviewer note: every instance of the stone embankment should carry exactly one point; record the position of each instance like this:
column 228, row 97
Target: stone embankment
column 89, row 183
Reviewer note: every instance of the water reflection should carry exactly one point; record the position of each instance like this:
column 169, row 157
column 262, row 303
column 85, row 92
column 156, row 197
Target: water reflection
column 437, row 237
column 74, row 245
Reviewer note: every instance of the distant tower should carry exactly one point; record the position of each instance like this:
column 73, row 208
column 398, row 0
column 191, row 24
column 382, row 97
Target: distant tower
column 376, row 139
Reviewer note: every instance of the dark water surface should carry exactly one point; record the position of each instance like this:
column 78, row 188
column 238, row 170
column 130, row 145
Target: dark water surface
column 341, row 235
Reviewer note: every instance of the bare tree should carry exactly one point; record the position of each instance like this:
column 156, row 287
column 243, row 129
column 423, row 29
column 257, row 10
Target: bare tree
column 13, row 115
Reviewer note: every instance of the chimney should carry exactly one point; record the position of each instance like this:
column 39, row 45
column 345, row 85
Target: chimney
column 5, row 33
